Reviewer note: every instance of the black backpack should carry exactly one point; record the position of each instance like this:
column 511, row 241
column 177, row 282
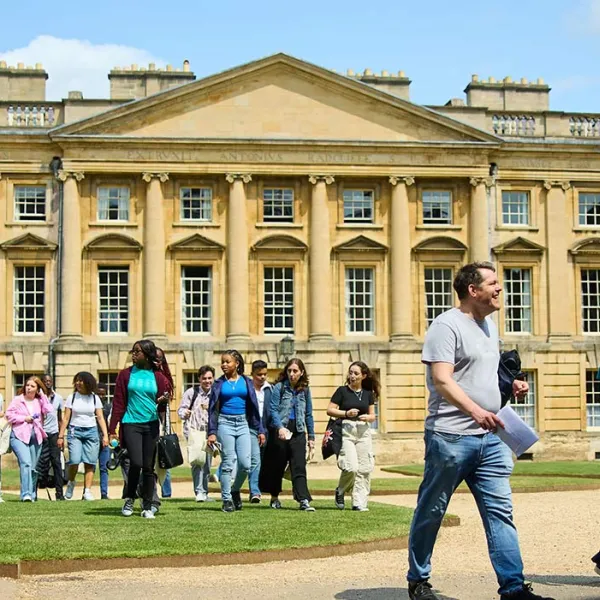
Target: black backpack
column 509, row 369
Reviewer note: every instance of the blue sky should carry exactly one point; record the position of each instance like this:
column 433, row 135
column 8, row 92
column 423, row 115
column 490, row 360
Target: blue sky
column 439, row 44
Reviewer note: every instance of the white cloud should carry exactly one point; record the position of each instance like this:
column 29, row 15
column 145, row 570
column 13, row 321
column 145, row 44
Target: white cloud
column 575, row 82
column 585, row 17
column 77, row 64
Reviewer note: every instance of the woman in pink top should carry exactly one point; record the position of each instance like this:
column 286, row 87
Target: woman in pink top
column 26, row 415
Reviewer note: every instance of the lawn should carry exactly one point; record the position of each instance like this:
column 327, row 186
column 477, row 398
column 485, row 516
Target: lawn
column 588, row 469
column 63, row 530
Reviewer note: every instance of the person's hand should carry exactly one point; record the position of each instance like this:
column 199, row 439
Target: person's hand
column 261, row 439
column 282, row 434
column 60, row 442
column 520, row 388
column 485, row 419
column 211, row 439
column 311, row 444
column 352, row 413
column 104, row 441
column 112, row 438
column 364, row 418
column 164, row 398
column 28, row 419
column 187, row 414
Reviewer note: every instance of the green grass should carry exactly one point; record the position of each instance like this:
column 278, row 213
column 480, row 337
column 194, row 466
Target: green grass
column 67, row 530
column 540, row 469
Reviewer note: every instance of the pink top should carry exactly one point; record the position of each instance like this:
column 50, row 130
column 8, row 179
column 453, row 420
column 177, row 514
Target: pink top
column 19, row 409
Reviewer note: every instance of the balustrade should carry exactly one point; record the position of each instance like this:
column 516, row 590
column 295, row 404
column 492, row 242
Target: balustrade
column 584, row 126
column 30, row 116
column 513, row 124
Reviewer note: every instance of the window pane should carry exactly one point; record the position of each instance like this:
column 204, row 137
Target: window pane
column 589, row 209
column 278, row 205
column 437, row 207
column 30, row 202
column 195, row 203
column 113, row 299
column 525, row 406
column 113, row 203
column 360, row 300
column 592, row 398
column 590, row 300
column 358, row 206
column 515, row 208
column 109, row 379
column 29, row 299
column 196, row 299
column 438, row 292
column 278, row 299
column 517, row 300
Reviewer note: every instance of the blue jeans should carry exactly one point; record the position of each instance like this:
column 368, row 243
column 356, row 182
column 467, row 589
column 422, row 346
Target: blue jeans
column 28, row 456
column 485, row 463
column 103, row 459
column 255, row 454
column 234, row 435
column 165, row 488
column 200, row 476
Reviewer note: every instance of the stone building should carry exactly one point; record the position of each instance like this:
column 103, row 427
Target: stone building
column 281, row 203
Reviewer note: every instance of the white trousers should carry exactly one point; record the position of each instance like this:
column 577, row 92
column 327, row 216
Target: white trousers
column 356, row 461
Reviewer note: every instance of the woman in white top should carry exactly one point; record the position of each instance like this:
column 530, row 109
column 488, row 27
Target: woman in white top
column 83, row 415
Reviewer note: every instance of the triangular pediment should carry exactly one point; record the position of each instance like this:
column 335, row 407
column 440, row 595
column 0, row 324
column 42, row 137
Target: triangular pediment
column 280, row 243
column 277, row 98
column 589, row 246
column 519, row 245
column 28, row 241
column 440, row 244
column 196, row 242
column 360, row 243
column 113, row 241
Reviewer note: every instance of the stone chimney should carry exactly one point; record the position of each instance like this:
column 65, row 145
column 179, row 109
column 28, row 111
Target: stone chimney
column 508, row 94
column 22, row 84
column 397, row 85
column 128, row 83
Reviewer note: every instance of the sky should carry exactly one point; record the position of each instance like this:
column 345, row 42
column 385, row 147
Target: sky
column 439, row 44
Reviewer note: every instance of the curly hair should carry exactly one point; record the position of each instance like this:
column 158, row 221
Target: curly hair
column 370, row 382
column 302, row 382
column 149, row 350
column 163, row 366
column 238, row 358
column 88, row 380
column 41, row 388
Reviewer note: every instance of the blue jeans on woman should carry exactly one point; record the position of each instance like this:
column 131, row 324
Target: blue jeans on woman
column 254, row 464
column 103, row 459
column 28, row 456
column 234, row 435
column 485, row 463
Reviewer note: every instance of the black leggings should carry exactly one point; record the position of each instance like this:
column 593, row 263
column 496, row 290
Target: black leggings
column 140, row 440
column 277, row 455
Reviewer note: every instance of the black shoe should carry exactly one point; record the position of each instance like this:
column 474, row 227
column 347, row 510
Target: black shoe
column 305, row 506
column 61, row 499
column 255, row 499
column 525, row 593
column 421, row 590
column 339, row 499
column 104, row 497
column 228, row 506
column 237, row 500
column 275, row 503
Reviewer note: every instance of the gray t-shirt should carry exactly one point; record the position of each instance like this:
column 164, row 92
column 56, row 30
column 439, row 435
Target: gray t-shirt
column 472, row 347
column 51, row 419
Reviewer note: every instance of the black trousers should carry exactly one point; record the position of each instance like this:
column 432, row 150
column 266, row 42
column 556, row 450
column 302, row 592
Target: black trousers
column 278, row 454
column 50, row 458
column 125, row 464
column 140, row 440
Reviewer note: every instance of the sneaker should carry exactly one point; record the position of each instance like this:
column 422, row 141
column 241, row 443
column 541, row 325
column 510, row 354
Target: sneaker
column 60, row 499
column 525, row 593
column 237, row 500
column 305, row 506
column 127, row 509
column 26, row 498
column 421, row 590
column 200, row 497
column 104, row 497
column 339, row 499
column 148, row 514
column 275, row 503
column 1, row 500
column 228, row 506
column 360, row 508
column 154, row 509
column 255, row 499
column 70, row 490
column 87, row 495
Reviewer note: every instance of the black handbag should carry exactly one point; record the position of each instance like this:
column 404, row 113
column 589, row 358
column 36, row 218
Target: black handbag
column 509, row 369
column 332, row 438
column 168, row 448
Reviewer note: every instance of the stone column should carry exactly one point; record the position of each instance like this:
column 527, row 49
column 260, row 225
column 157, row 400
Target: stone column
column 71, row 258
column 155, row 266
column 400, row 268
column 238, row 322
column 319, row 263
column 479, row 242
column 559, row 303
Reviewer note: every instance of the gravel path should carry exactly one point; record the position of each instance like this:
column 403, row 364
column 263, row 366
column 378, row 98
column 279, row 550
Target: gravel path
column 559, row 533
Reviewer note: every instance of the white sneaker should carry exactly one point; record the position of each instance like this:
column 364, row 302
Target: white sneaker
column 200, row 497
column 1, row 499
column 87, row 495
column 70, row 489
column 127, row 509
column 26, row 498
column 148, row 514
column 154, row 509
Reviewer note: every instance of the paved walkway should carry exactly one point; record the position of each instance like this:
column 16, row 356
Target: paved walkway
column 559, row 532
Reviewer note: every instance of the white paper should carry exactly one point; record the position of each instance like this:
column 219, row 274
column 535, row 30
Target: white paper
column 517, row 435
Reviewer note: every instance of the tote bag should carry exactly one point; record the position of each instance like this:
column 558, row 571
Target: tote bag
column 196, row 447
column 332, row 439
column 168, row 449
column 5, row 431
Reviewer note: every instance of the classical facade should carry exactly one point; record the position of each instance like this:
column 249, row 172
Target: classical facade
column 280, row 203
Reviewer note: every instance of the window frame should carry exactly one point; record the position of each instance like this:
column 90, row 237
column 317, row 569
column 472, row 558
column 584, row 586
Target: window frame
column 191, row 187
column 595, row 391
column 274, row 221
column 432, row 190
column 23, row 265
column 534, row 192
column 134, row 186
column 518, row 403
column 105, row 377
column 284, row 330
column 578, row 215
column 184, row 332
column 507, row 266
column 39, row 186
column 527, row 194
column 99, row 199
column 354, row 189
column 358, row 184
column 587, row 267
column 346, row 305
column 427, row 267
column 116, row 267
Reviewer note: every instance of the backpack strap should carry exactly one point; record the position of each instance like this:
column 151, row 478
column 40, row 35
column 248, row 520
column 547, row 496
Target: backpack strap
column 196, row 392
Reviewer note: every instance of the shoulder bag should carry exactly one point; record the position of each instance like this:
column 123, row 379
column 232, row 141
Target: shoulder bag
column 168, row 449
column 332, row 438
column 196, row 442
column 5, row 431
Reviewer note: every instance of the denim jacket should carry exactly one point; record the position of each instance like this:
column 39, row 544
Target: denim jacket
column 281, row 405
column 214, row 406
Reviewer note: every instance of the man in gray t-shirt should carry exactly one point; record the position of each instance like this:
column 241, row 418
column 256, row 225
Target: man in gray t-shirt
column 462, row 355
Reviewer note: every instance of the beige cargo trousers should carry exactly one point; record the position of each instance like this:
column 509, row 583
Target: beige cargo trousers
column 356, row 461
